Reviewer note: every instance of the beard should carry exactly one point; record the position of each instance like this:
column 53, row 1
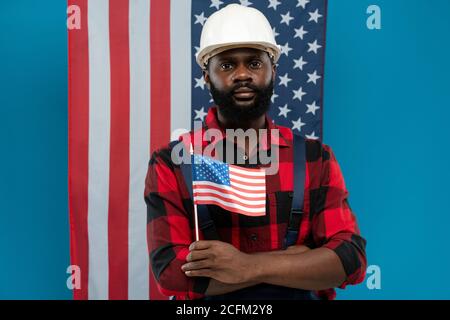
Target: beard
column 236, row 114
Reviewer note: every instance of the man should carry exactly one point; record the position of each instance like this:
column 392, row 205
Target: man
column 238, row 55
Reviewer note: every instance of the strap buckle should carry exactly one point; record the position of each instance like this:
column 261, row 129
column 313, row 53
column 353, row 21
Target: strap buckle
column 297, row 211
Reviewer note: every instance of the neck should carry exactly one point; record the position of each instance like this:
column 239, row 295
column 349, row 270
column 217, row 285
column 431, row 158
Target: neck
column 256, row 124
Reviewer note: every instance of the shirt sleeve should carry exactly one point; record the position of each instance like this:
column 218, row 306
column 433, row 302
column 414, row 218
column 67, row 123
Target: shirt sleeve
column 169, row 231
column 334, row 223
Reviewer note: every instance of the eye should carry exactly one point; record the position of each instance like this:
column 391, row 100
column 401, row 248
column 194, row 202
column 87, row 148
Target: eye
column 225, row 66
column 256, row 64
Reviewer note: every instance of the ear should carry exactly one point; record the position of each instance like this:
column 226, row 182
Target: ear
column 207, row 78
column 274, row 71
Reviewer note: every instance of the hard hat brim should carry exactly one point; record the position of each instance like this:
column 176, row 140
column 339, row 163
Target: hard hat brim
column 207, row 53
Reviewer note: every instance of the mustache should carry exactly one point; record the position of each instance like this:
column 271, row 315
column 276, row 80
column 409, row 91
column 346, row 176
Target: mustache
column 244, row 85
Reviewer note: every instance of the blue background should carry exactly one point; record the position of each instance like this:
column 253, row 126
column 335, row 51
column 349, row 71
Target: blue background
column 386, row 111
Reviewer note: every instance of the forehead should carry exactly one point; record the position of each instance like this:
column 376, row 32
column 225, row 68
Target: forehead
column 241, row 53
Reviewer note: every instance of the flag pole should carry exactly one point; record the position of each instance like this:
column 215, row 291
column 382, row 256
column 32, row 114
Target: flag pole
column 197, row 238
column 196, row 222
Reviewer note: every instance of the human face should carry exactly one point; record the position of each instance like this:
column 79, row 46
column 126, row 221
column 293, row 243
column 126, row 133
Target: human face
column 241, row 83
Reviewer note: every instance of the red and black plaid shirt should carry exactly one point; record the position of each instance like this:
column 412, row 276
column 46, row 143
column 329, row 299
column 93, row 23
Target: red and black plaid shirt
column 328, row 220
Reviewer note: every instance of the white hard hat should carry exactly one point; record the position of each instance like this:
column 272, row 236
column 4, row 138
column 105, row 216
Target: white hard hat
column 236, row 26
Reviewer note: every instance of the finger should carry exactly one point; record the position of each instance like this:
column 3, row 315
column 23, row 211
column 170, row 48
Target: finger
column 199, row 273
column 198, row 255
column 203, row 264
column 200, row 245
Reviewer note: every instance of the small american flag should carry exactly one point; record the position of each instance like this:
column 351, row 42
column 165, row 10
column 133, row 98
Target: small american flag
column 236, row 189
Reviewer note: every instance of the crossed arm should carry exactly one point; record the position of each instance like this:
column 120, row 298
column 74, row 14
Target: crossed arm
column 231, row 269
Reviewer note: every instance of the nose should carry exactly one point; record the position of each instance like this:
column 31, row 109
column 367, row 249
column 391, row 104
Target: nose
column 242, row 73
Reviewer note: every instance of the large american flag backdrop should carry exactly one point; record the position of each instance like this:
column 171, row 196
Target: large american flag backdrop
column 133, row 83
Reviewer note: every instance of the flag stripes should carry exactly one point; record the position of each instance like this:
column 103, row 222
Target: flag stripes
column 119, row 149
column 233, row 188
column 78, row 147
column 138, row 266
column 160, row 75
column 98, row 144
column 119, row 58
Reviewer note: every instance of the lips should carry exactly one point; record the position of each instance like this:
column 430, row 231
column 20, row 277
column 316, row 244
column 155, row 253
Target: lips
column 244, row 93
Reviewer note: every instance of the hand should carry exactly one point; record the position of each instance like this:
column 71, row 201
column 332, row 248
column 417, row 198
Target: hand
column 220, row 261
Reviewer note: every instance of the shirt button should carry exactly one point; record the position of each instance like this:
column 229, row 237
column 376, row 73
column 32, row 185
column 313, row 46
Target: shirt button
column 254, row 237
column 245, row 157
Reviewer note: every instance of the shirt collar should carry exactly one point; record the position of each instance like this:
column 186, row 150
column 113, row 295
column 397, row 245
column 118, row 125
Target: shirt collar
column 212, row 122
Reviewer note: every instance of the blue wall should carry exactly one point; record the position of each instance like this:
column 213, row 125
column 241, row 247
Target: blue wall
column 34, row 229
column 386, row 107
column 386, row 116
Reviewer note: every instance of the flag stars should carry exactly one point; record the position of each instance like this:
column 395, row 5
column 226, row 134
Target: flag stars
column 273, row 4
column 314, row 47
column 298, row 94
column 274, row 96
column 216, row 4
column 275, row 33
column 200, row 114
column 200, row 18
column 197, row 49
column 200, row 83
column 312, row 108
column 312, row 136
column 299, row 63
column 300, row 32
column 314, row 16
column 285, row 49
column 298, row 124
column 245, row 3
column 313, row 77
column 284, row 111
column 296, row 101
column 284, row 80
column 286, row 18
column 302, row 3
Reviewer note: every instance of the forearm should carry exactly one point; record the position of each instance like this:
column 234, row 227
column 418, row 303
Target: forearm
column 217, row 288
column 316, row 269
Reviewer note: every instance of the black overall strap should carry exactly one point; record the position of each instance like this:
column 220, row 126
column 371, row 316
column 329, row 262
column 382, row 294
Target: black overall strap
column 205, row 223
column 298, row 192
